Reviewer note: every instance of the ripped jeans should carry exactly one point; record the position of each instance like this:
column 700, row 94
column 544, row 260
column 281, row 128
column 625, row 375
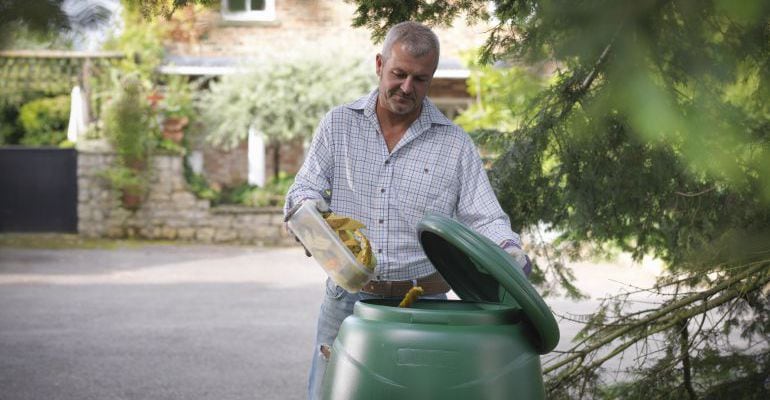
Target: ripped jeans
column 336, row 306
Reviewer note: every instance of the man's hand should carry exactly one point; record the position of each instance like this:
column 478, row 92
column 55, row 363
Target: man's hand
column 521, row 258
column 518, row 254
column 320, row 205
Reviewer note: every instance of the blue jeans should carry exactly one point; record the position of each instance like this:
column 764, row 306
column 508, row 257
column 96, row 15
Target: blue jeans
column 336, row 306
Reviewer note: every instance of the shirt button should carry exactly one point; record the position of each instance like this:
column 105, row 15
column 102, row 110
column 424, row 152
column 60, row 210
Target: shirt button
column 382, row 190
column 387, row 162
column 379, row 251
column 382, row 221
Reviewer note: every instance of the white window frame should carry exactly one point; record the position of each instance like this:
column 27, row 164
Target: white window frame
column 268, row 14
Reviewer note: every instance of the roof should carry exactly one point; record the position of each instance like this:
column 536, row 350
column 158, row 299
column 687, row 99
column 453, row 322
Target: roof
column 174, row 64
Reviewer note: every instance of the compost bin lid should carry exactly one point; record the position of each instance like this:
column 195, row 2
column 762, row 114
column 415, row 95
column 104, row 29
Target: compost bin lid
column 479, row 270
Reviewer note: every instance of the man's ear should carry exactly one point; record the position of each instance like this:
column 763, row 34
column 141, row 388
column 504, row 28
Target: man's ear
column 378, row 63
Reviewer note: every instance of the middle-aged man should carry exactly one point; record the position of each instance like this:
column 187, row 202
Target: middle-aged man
column 386, row 160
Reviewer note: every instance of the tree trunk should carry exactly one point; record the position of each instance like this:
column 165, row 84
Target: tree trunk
column 684, row 349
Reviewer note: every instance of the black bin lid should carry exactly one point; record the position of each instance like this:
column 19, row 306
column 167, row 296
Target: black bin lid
column 479, row 270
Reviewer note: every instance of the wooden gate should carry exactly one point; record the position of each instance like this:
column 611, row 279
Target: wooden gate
column 38, row 190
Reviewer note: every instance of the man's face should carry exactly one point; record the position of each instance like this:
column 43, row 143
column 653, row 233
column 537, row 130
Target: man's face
column 404, row 80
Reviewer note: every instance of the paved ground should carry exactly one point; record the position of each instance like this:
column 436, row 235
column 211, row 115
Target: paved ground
column 156, row 322
column 181, row 322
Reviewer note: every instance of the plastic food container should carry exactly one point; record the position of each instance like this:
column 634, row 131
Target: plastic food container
column 328, row 250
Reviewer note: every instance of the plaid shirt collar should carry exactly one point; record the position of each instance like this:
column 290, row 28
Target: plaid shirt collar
column 429, row 114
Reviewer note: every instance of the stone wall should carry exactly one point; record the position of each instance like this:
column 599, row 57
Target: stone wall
column 169, row 211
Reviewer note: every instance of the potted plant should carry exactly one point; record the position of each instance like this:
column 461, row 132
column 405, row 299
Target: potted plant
column 131, row 183
column 176, row 107
column 130, row 127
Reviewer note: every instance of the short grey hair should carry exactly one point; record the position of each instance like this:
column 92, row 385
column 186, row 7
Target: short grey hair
column 418, row 38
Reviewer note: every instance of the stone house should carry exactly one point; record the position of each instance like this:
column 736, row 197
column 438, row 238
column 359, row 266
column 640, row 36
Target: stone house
column 209, row 42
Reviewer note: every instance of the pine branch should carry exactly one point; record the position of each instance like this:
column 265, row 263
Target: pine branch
column 664, row 319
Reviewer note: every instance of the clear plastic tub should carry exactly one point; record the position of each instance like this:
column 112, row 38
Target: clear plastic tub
column 327, row 249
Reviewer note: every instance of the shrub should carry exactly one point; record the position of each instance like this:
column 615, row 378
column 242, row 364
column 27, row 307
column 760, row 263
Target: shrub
column 129, row 122
column 44, row 121
column 10, row 131
column 270, row 195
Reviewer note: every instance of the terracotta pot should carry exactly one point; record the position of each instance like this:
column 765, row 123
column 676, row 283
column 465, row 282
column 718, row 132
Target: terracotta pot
column 173, row 128
column 131, row 198
column 136, row 164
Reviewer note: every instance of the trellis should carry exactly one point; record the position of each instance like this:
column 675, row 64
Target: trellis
column 25, row 73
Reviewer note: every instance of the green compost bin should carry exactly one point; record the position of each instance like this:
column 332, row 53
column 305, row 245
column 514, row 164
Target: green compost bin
column 486, row 346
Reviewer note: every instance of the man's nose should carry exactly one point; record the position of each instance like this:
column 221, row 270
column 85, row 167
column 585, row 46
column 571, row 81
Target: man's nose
column 407, row 85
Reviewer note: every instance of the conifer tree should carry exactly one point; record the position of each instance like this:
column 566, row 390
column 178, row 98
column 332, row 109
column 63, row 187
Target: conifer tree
column 654, row 139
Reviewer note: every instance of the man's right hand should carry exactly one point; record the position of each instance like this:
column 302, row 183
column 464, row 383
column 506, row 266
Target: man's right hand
column 320, row 205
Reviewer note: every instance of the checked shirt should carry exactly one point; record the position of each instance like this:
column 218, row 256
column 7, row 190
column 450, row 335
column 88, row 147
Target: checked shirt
column 435, row 167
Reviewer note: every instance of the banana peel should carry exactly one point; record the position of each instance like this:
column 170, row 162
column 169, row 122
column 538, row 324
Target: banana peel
column 340, row 223
column 411, row 296
column 349, row 231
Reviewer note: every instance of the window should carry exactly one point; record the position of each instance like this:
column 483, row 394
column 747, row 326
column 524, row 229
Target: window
column 248, row 10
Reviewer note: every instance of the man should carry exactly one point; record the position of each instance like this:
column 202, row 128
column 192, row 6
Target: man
column 386, row 160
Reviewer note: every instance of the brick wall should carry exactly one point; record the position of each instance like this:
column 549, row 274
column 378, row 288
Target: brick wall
column 298, row 22
column 229, row 168
column 449, row 88
column 291, row 155
column 226, row 168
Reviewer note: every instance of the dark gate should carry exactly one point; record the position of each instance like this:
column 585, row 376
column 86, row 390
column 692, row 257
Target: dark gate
column 38, row 190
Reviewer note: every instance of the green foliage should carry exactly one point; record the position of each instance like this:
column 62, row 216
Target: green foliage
column 24, row 37
column 379, row 15
column 129, row 121
column 125, row 179
column 152, row 9
column 198, row 184
column 129, row 124
column 44, row 121
column 504, row 97
column 169, row 147
column 653, row 139
column 140, row 41
column 283, row 98
column 177, row 98
column 43, row 17
column 10, row 131
column 272, row 194
column 654, row 136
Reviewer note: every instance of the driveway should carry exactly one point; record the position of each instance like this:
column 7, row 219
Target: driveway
column 157, row 322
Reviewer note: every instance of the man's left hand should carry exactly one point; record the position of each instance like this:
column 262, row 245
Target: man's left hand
column 521, row 259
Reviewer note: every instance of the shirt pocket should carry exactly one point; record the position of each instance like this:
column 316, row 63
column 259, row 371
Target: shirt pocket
column 419, row 189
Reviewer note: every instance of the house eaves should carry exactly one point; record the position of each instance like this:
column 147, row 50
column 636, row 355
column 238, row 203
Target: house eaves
column 217, row 66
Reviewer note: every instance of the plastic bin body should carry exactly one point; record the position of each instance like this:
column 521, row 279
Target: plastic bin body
column 434, row 350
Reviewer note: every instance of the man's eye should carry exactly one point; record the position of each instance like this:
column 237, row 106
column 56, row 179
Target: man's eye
column 399, row 75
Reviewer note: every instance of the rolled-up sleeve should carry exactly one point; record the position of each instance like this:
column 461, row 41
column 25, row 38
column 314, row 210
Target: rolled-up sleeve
column 314, row 178
column 477, row 205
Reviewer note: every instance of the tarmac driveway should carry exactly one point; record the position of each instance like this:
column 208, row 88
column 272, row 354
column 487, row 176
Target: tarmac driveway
column 157, row 322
